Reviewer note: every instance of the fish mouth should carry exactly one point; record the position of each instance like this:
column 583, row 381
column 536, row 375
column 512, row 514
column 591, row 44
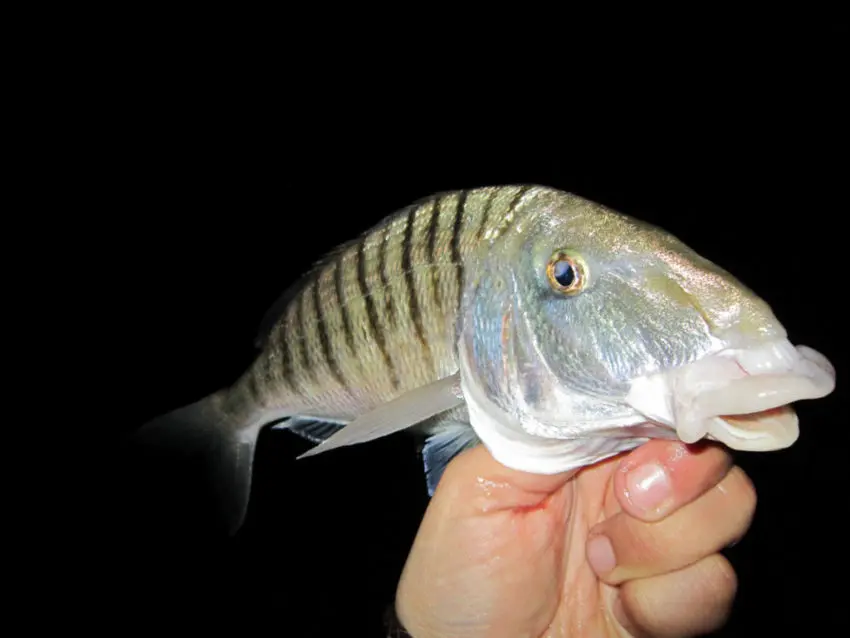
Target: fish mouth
column 739, row 397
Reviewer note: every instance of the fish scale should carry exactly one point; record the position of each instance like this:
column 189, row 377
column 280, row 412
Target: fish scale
column 377, row 316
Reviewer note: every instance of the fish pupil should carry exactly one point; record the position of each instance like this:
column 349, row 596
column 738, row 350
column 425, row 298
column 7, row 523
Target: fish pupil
column 564, row 273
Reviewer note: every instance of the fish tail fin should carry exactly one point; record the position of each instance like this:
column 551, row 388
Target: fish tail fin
column 222, row 445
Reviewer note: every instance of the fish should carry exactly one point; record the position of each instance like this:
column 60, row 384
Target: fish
column 550, row 328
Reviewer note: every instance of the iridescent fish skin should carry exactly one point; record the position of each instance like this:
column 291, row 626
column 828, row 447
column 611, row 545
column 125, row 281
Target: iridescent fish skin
column 650, row 303
column 554, row 329
column 564, row 367
column 376, row 318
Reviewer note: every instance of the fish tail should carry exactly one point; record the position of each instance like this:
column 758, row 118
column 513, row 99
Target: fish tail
column 220, row 443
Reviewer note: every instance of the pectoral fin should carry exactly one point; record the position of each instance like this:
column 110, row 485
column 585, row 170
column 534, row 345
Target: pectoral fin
column 399, row 414
column 441, row 448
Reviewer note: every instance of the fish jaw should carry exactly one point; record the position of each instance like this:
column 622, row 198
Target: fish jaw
column 737, row 396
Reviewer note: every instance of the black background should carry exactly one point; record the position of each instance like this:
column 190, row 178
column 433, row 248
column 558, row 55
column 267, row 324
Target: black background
column 218, row 160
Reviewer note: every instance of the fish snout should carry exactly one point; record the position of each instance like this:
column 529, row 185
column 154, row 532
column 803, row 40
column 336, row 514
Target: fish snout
column 739, row 396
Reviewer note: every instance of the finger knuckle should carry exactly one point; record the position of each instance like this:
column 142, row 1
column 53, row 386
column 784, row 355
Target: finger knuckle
column 721, row 583
column 646, row 543
column 694, row 601
column 744, row 492
column 640, row 608
column 722, row 577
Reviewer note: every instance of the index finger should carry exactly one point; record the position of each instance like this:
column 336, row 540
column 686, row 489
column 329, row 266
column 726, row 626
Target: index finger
column 660, row 477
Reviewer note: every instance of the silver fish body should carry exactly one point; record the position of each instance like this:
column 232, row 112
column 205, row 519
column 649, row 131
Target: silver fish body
column 553, row 329
column 377, row 318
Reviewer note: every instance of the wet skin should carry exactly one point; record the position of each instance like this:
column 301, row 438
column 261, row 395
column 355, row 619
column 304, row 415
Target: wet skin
column 627, row 547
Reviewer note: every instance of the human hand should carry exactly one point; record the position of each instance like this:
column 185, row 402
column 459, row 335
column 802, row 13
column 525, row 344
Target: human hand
column 506, row 553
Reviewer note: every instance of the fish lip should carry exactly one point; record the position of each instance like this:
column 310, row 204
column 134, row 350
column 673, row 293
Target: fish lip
column 731, row 382
column 776, row 429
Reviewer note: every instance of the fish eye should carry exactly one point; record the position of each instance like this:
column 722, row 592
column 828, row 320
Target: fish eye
column 567, row 272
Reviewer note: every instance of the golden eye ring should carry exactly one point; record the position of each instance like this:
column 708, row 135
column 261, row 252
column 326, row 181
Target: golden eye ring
column 566, row 272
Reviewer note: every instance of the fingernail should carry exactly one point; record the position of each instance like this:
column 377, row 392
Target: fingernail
column 600, row 555
column 649, row 488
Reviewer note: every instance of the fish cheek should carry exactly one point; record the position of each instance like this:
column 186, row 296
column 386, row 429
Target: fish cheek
column 661, row 329
column 559, row 335
column 604, row 338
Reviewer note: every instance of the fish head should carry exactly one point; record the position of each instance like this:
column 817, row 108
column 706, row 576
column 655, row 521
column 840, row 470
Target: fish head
column 587, row 332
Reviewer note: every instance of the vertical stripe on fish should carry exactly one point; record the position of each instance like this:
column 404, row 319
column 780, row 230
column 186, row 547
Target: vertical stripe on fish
column 376, row 317
column 376, row 330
